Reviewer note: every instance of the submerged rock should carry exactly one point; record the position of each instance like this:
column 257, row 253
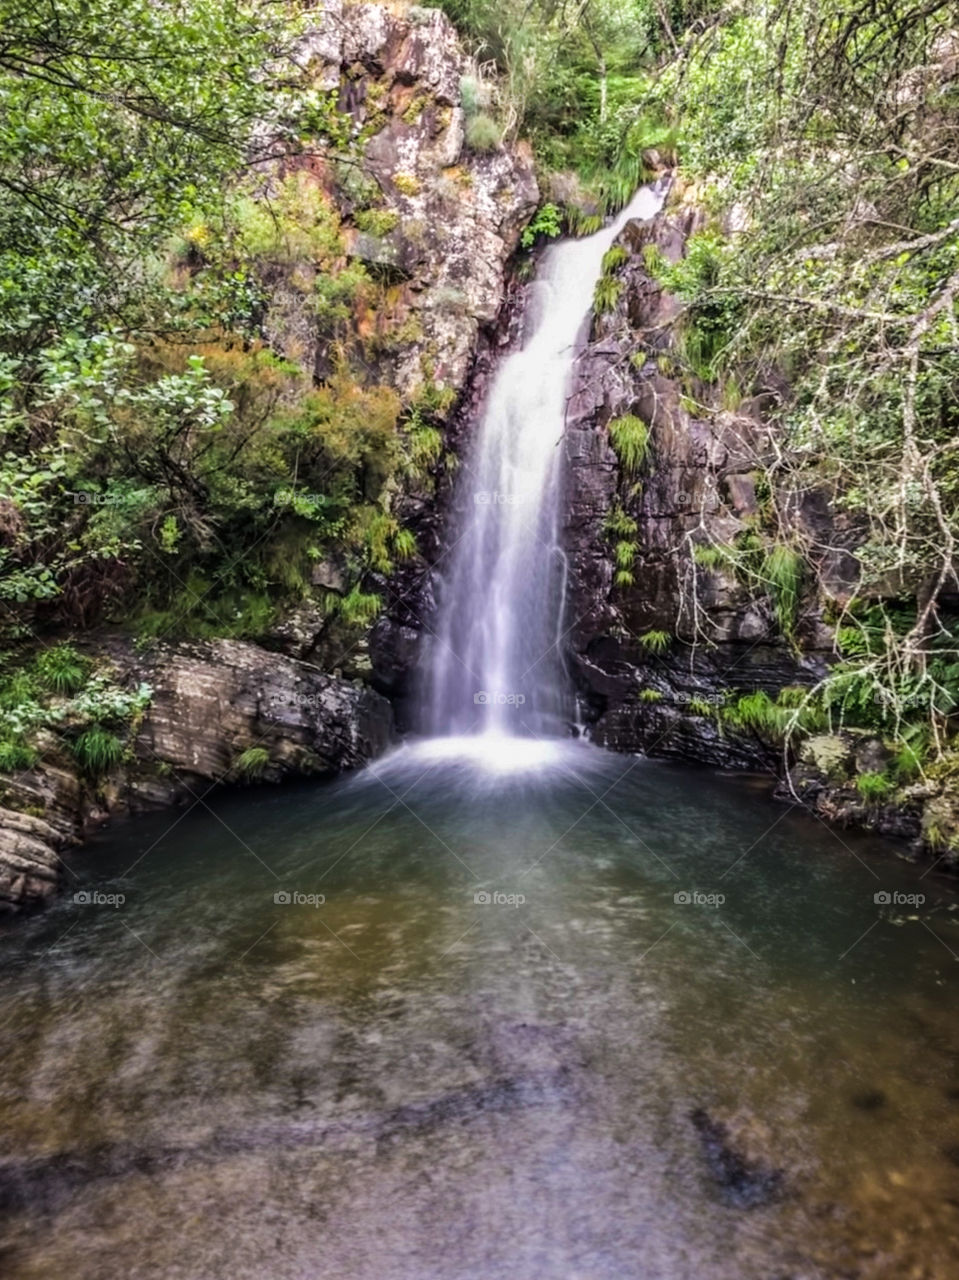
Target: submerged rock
column 738, row 1157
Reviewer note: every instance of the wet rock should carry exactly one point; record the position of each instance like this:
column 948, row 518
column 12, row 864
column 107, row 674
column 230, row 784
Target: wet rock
column 214, row 700
column 738, row 1157
column 29, row 860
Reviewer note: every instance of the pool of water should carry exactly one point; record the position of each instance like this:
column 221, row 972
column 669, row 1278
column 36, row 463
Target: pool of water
column 560, row 1015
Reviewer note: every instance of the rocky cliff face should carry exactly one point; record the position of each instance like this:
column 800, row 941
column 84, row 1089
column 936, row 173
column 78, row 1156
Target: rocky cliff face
column 655, row 658
column 660, row 654
column 433, row 219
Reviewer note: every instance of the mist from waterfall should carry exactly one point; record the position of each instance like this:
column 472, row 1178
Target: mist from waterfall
column 496, row 664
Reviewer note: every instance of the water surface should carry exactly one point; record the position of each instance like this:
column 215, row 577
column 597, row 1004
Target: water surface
column 480, row 1055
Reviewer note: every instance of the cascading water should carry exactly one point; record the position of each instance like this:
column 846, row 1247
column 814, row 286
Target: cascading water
column 496, row 662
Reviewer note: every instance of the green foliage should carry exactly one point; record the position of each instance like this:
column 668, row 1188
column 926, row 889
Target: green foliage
column 252, row 763
column 483, row 134
column 97, row 751
column 782, row 571
column 655, row 641
column 606, row 295
column 875, row 787
column 15, row 756
column 630, row 439
column 650, row 695
column 546, row 221
column 61, row 669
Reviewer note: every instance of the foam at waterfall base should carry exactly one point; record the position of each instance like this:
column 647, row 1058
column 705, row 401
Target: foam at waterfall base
column 490, row 754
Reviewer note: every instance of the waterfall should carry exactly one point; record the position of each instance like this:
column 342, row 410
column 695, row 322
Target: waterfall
column 496, row 664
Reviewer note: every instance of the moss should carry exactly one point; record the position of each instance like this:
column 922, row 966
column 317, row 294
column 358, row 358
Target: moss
column 408, row 184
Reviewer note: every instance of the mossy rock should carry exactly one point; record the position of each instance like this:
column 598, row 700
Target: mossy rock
column 828, row 754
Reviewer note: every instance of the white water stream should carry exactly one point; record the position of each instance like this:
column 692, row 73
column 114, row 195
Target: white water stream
column 496, row 664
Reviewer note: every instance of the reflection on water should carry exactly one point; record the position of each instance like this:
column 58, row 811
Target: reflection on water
column 447, row 1021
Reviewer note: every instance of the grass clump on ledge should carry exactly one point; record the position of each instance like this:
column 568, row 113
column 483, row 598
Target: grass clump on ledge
column 630, row 439
column 97, row 751
column 252, row 763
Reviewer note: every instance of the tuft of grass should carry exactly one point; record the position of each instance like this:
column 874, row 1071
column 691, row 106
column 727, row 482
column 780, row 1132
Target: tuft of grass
column 699, row 707
column 483, row 134
column 782, row 572
column 607, row 294
column 758, row 712
column 252, row 763
column 62, row 669
column 624, row 578
column 358, row 608
column 97, row 751
column 630, row 440
column 711, row 557
column 625, row 554
column 874, row 787
column 404, row 544
column 614, row 258
column 656, row 641
column 650, row 695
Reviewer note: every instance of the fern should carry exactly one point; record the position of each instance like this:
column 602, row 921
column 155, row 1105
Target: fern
column 655, row 641
column 630, row 439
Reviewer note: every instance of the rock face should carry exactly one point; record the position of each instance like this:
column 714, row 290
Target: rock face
column 211, row 703
column 710, row 635
column 430, row 218
column 29, row 862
